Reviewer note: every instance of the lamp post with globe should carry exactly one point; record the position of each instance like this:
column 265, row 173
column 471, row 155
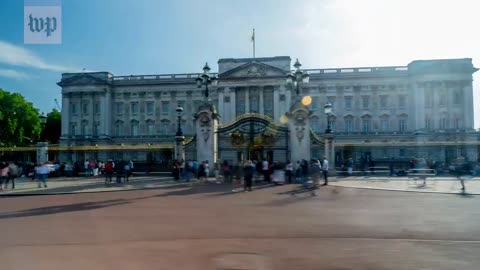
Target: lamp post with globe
column 329, row 140
column 179, row 138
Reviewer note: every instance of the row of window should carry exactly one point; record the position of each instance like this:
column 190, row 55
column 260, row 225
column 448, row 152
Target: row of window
column 268, row 103
column 366, row 124
column 383, row 101
column 443, row 123
column 443, row 97
column 119, row 129
column 85, row 108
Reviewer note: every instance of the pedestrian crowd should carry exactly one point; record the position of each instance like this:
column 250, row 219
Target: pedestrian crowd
column 243, row 174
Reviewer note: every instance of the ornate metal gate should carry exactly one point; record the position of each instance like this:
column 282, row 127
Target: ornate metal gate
column 255, row 137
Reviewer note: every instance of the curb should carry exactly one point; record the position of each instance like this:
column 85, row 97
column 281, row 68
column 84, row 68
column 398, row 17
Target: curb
column 412, row 191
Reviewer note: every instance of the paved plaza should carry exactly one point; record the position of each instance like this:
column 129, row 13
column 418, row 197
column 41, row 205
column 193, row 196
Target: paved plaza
column 443, row 184
column 209, row 227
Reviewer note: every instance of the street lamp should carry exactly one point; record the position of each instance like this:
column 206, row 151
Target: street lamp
column 179, row 138
column 43, row 121
column 297, row 77
column 42, row 147
column 328, row 111
column 179, row 115
column 206, row 79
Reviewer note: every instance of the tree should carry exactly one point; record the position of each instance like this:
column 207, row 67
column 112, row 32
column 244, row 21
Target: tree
column 19, row 120
column 53, row 127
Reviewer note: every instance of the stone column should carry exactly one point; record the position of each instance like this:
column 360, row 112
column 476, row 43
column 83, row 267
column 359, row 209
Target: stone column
column 65, row 114
column 299, row 127
column 417, row 101
column 467, row 104
column 247, row 99
column 330, row 152
column 233, row 107
column 102, row 129
column 276, row 110
column 179, row 148
column 91, row 109
column 107, row 113
column 206, row 124
column 42, row 152
column 260, row 102
column 221, row 101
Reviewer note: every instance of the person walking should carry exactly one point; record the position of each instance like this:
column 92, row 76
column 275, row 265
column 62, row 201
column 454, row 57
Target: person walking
column 391, row 166
column 207, row 170
column 42, row 175
column 316, row 175
column 350, row 167
column 188, row 171
column 127, row 170
column 108, row 169
column 3, row 174
column 226, row 171
column 248, row 171
column 325, row 170
column 12, row 174
column 176, row 170
column 289, row 171
column 265, row 169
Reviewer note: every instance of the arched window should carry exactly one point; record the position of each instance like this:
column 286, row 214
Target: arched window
column 456, row 123
column 119, row 128
column 349, row 123
column 150, row 127
column 165, row 127
column 428, row 123
column 134, row 128
column 366, row 123
column 384, row 120
column 402, row 123
column 443, row 122
column 84, row 128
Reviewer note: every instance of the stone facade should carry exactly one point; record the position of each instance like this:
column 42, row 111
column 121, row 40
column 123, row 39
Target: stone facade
column 399, row 111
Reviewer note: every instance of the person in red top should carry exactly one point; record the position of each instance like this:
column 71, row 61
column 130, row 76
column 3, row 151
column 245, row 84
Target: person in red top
column 109, row 166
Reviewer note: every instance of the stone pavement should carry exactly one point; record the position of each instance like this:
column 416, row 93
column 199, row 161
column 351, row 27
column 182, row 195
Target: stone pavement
column 439, row 184
column 209, row 227
column 63, row 185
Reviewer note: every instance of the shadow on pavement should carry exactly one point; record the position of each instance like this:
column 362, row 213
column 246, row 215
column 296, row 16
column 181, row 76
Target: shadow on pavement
column 63, row 209
column 229, row 187
column 135, row 184
column 57, row 209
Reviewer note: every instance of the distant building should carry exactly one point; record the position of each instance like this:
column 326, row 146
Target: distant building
column 422, row 109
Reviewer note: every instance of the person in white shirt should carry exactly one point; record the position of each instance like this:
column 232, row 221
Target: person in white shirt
column 289, row 171
column 42, row 172
column 265, row 171
column 325, row 170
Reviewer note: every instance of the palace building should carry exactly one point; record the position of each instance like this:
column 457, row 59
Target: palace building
column 423, row 109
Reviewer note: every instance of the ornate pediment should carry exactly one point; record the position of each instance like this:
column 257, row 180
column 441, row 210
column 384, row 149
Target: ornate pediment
column 82, row 79
column 253, row 69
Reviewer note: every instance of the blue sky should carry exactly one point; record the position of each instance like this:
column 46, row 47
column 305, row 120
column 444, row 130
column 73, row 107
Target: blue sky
column 150, row 37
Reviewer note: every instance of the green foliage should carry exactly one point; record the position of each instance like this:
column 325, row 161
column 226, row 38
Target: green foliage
column 19, row 120
column 53, row 127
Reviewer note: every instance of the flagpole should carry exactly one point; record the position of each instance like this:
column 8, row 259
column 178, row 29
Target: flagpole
column 253, row 39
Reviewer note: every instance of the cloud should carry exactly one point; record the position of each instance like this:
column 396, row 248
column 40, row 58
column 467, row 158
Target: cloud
column 10, row 73
column 18, row 56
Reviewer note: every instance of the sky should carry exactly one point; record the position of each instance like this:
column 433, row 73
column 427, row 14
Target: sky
column 166, row 36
